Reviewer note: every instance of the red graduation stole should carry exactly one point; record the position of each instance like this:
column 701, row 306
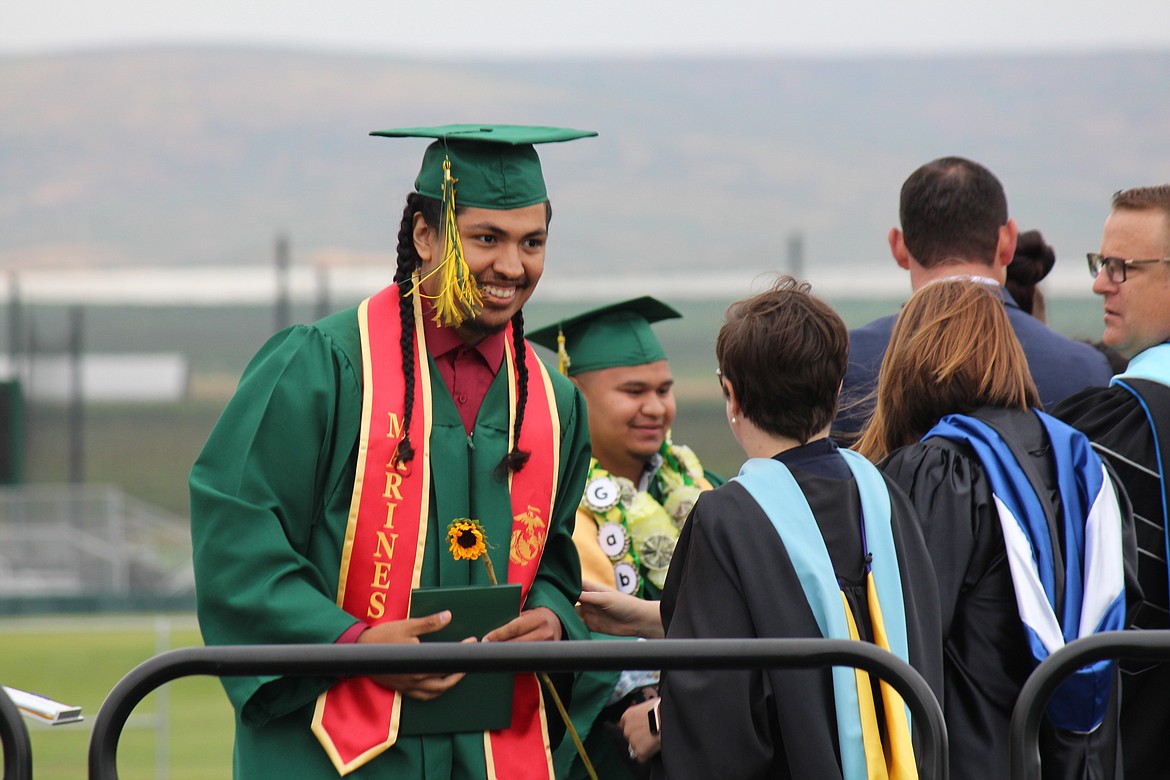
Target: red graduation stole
column 357, row 719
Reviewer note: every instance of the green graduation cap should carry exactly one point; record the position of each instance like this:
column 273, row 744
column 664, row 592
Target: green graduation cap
column 615, row 335
column 484, row 166
column 494, row 166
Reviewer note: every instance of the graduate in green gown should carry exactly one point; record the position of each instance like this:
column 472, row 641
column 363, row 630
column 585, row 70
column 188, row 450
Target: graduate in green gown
column 427, row 395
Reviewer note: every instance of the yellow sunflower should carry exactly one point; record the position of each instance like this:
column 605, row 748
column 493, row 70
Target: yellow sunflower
column 466, row 538
column 468, row 542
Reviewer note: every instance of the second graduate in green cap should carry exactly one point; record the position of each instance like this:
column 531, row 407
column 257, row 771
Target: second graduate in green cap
column 641, row 485
column 355, row 449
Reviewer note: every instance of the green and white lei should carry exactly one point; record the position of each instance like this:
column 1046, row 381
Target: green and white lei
column 635, row 531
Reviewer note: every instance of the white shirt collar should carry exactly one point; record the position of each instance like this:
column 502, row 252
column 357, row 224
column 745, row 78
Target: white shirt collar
column 652, row 465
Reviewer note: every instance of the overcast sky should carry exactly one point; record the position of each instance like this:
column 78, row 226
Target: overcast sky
column 540, row 28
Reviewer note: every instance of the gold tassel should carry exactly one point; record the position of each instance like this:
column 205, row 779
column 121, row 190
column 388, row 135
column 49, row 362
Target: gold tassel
column 459, row 298
column 563, row 361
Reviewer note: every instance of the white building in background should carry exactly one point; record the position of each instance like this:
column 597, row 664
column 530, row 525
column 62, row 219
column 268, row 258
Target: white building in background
column 105, row 377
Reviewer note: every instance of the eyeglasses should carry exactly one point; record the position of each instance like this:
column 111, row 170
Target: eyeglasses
column 1115, row 267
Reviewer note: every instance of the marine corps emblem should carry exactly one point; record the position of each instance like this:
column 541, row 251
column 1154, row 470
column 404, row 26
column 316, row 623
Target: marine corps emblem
column 528, row 532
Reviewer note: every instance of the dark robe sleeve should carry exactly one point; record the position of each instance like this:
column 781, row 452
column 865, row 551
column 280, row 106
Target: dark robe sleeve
column 1134, row 595
column 959, row 526
column 1116, row 423
column 731, row 577
column 919, row 594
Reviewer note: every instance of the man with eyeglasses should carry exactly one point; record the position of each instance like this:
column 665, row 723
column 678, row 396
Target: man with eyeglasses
column 1129, row 424
column 955, row 223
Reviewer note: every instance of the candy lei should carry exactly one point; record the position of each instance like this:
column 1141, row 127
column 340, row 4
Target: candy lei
column 637, row 533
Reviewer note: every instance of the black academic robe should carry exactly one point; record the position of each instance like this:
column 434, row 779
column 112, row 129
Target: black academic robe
column 732, row 577
column 1115, row 422
column 986, row 654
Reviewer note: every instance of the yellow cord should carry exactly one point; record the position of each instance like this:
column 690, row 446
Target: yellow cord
column 459, row 298
column 563, row 361
column 491, row 572
column 569, row 725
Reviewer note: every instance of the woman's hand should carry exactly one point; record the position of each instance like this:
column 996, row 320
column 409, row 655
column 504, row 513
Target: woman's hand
column 635, row 725
column 608, row 611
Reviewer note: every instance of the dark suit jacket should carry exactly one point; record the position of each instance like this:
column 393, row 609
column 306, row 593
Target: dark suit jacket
column 1060, row 366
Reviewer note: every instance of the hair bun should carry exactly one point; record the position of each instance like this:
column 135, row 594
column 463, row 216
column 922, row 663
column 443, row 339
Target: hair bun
column 1033, row 260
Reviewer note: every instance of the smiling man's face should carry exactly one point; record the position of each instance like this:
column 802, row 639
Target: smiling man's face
column 504, row 250
column 631, row 409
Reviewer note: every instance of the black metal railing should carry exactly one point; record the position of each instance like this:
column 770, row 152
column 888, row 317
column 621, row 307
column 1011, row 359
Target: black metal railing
column 327, row 660
column 14, row 738
column 1024, row 739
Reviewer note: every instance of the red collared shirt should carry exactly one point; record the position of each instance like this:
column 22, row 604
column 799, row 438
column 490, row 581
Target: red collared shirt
column 468, row 370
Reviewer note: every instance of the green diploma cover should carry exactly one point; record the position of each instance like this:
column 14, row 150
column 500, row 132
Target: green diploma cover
column 478, row 702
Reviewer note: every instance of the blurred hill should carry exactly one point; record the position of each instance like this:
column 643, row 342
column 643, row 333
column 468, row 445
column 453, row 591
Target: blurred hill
column 199, row 156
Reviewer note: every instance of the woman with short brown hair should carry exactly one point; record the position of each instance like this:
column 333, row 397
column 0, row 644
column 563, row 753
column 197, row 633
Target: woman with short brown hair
column 808, row 541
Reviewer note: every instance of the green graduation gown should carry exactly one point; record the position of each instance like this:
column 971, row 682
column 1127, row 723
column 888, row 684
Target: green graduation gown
column 270, row 497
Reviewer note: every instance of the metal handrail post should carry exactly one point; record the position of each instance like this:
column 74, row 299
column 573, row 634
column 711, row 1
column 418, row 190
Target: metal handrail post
column 332, row 660
column 1024, row 735
column 14, row 738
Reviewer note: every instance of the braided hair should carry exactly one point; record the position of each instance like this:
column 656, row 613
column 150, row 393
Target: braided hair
column 409, row 262
column 516, row 458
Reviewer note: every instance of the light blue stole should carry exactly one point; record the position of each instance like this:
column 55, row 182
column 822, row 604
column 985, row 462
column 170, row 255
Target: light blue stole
column 1152, row 364
column 773, row 487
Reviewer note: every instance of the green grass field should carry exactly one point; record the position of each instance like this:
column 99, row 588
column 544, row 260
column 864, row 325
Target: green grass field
column 79, row 659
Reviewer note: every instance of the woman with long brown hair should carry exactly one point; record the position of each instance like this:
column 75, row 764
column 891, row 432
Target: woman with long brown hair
column 1031, row 543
